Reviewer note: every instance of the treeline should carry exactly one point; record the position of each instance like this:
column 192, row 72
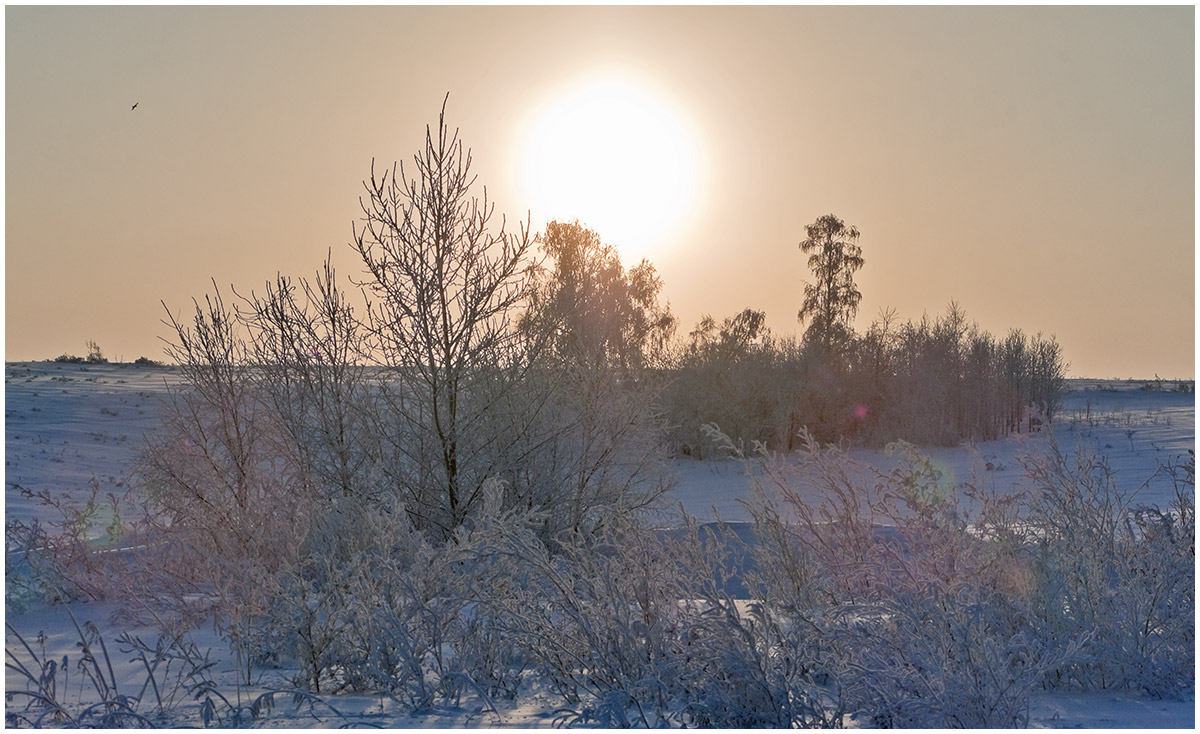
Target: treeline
column 932, row 382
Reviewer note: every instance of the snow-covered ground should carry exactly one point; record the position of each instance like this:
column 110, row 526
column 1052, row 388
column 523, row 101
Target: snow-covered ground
column 1136, row 430
column 69, row 427
column 67, row 424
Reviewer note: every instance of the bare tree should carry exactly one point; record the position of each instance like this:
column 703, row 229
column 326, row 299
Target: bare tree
column 308, row 346
column 447, row 286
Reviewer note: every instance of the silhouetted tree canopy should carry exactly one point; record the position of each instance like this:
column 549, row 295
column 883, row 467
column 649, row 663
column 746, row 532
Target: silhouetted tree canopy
column 831, row 302
column 597, row 313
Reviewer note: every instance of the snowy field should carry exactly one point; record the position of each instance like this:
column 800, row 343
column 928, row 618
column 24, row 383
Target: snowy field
column 72, row 429
column 1136, row 429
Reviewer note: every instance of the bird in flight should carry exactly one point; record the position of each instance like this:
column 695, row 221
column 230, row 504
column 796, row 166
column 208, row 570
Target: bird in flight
column 134, row 107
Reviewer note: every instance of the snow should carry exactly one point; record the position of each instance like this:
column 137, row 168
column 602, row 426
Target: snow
column 68, row 425
column 1105, row 710
column 1136, row 430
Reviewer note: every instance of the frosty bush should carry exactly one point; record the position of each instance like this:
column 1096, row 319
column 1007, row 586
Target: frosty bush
column 636, row 627
column 1120, row 575
column 930, row 614
column 946, row 659
column 596, row 619
column 225, row 505
column 767, row 661
column 54, row 560
column 368, row 608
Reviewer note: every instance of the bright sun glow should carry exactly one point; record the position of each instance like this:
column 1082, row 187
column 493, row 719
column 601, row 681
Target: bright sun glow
column 618, row 157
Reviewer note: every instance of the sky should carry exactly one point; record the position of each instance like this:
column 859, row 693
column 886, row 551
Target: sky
column 1036, row 165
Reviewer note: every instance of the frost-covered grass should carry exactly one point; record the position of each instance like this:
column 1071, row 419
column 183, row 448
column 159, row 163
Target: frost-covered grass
column 1005, row 584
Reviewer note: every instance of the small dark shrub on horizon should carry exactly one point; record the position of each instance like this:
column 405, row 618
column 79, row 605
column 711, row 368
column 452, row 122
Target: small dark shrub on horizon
column 94, row 356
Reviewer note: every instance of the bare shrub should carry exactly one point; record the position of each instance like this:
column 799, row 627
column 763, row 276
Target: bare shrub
column 590, row 450
column 307, row 348
column 218, row 481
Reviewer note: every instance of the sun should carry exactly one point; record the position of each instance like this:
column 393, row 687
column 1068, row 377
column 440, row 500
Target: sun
column 618, row 156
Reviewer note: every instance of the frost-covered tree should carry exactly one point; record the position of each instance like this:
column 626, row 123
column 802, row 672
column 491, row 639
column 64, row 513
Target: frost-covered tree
column 447, row 284
column 308, row 343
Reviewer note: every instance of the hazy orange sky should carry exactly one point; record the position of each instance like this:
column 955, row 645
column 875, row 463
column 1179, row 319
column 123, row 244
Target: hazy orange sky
column 1037, row 165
